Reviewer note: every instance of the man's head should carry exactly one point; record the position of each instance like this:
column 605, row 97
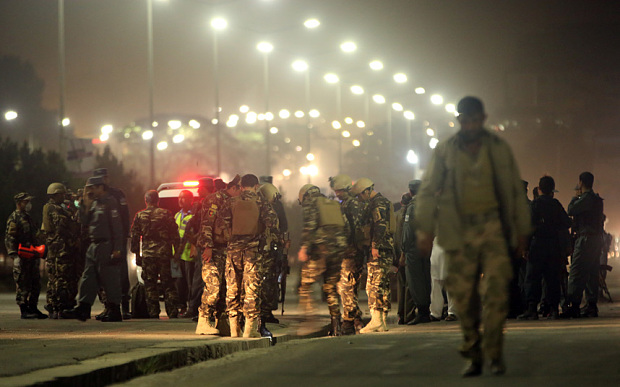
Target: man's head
column 151, row 198
column 363, row 189
column 249, row 182
column 233, row 188
column 406, row 198
column 471, row 117
column 414, row 186
column 22, row 201
column 586, row 181
column 102, row 172
column 341, row 184
column 57, row 192
column 307, row 190
column 546, row 185
column 96, row 186
column 219, row 184
column 186, row 199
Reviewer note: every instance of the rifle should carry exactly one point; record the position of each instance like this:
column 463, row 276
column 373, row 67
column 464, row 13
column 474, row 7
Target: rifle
column 285, row 270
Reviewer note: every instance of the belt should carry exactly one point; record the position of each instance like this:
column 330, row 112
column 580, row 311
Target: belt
column 480, row 218
column 98, row 240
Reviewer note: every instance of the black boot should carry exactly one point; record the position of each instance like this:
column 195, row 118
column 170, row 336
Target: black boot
column 114, row 313
column 125, row 308
column 474, row 363
column 270, row 318
column 530, row 314
column 40, row 315
column 335, row 331
column 423, row 316
column 591, row 310
column 80, row 312
column 262, row 329
column 348, row 328
column 102, row 314
column 26, row 313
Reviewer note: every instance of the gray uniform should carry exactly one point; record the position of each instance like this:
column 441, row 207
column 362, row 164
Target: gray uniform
column 106, row 235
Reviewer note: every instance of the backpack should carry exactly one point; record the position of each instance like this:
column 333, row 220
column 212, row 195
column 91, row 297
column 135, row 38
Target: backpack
column 245, row 217
column 138, row 301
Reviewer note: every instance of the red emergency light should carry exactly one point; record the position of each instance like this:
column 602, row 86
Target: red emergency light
column 191, row 183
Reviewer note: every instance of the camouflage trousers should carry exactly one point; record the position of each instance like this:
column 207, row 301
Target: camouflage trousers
column 214, row 294
column 350, row 276
column 270, row 269
column 27, row 281
column 61, row 280
column 481, row 299
column 243, row 282
column 154, row 268
column 326, row 262
column 378, row 283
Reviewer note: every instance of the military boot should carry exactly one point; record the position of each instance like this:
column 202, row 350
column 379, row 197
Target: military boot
column 251, row 328
column 26, row 313
column 348, row 328
column 80, row 312
column 375, row 322
column 125, row 309
column 336, row 329
column 591, row 310
column 384, row 327
column 36, row 311
column 206, row 326
column 235, row 329
column 270, row 318
column 530, row 314
column 262, row 329
column 114, row 314
column 101, row 315
column 358, row 324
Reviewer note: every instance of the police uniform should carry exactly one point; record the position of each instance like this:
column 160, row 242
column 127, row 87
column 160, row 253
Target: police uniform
column 20, row 230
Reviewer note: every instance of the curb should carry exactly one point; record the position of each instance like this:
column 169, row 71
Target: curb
column 120, row 367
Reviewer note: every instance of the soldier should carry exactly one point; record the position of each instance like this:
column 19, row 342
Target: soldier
column 159, row 234
column 274, row 262
column 587, row 212
column 215, row 231
column 102, row 268
column 323, row 242
column 353, row 259
column 472, row 197
column 417, row 263
column 124, row 213
column 62, row 240
column 251, row 216
column 382, row 228
column 21, row 232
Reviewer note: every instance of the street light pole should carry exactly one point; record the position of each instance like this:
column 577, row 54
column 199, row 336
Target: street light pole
column 218, row 128
column 267, row 122
column 150, row 69
column 308, row 139
column 61, row 74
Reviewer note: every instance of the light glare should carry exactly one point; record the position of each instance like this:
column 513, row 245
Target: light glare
column 312, row 23
column 331, row 78
column 400, row 78
column 409, row 115
column 162, row 145
column 265, row 47
column 378, row 98
column 356, row 89
column 219, row 23
column 436, row 99
column 284, row 114
column 147, row 135
column 300, row 65
column 376, row 65
column 348, row 47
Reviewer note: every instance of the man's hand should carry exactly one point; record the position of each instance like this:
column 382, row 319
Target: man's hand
column 425, row 242
column 116, row 254
column 303, row 254
column 401, row 260
column 207, row 254
column 375, row 253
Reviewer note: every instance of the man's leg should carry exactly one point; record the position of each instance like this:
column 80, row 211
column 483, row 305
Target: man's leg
column 150, row 274
column 171, row 297
column 578, row 276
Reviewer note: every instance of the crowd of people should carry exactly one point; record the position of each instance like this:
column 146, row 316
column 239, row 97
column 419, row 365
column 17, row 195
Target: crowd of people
column 466, row 236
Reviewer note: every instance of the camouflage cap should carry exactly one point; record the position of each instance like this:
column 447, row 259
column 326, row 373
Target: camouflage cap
column 235, row 181
column 95, row 180
column 100, row 172
column 22, row 196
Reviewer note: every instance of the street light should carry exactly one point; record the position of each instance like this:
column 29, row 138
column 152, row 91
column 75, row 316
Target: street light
column 376, row 65
column 107, row 129
column 433, row 143
column 312, row 23
column 178, row 138
column 413, row 159
column 378, row 98
column 420, row 90
column 357, row 90
column 65, row 122
column 162, row 145
column 300, row 65
column 348, row 47
column 10, row 115
column 284, row 114
column 436, row 99
column 400, row 78
column 314, row 113
column 244, row 109
column 147, row 135
column 397, row 106
column 331, row 78
column 451, row 108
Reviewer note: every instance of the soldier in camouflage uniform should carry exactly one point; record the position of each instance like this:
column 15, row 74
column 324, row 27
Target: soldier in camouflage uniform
column 215, row 231
column 159, row 235
column 472, row 196
column 20, row 230
column 62, row 240
column 323, row 242
column 251, row 216
column 382, row 227
column 353, row 259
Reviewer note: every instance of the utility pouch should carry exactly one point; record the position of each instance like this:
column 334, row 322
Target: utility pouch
column 392, row 220
column 245, row 215
column 329, row 213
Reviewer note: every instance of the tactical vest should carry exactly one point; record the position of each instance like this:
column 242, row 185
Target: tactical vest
column 329, row 212
column 245, row 216
column 182, row 224
column 392, row 219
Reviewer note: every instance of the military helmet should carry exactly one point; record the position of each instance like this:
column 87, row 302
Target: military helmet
column 360, row 185
column 269, row 191
column 340, row 182
column 56, row 188
column 305, row 189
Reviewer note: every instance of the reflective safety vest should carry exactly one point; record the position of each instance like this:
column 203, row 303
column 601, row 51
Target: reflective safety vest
column 181, row 222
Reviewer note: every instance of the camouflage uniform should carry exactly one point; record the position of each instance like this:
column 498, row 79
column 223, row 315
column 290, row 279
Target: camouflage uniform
column 382, row 239
column 159, row 234
column 215, row 229
column 325, row 246
column 20, row 229
column 353, row 261
column 62, row 240
column 243, row 265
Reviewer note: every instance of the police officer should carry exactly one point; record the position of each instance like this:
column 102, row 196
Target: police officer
column 21, row 231
column 353, row 260
column 124, row 213
column 587, row 212
column 382, row 224
column 406, row 306
column 154, row 235
column 62, row 240
column 102, row 268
